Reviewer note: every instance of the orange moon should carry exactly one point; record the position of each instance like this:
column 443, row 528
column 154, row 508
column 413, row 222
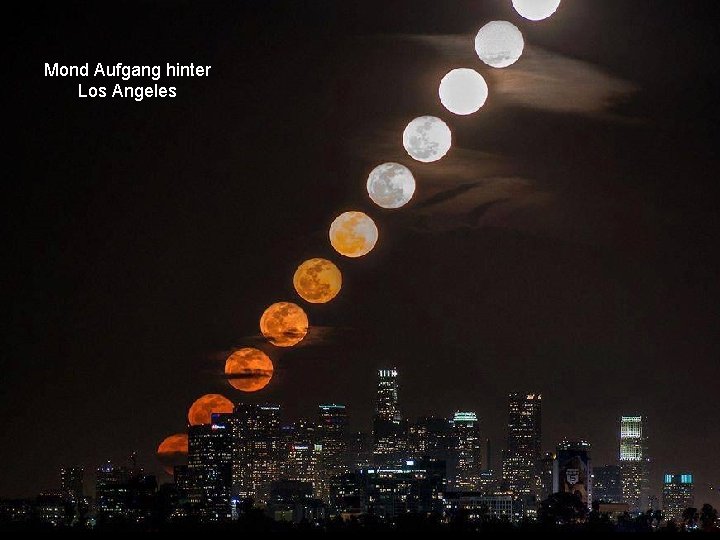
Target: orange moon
column 317, row 281
column 353, row 234
column 173, row 451
column 284, row 324
column 248, row 369
column 201, row 410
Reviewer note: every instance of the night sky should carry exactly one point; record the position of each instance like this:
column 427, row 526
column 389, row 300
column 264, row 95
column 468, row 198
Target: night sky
column 567, row 244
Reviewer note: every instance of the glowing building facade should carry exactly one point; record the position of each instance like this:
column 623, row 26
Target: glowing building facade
column 466, row 452
column 634, row 462
column 388, row 436
column 572, row 470
column 332, row 435
column 677, row 495
column 210, row 457
column 258, row 450
column 520, row 468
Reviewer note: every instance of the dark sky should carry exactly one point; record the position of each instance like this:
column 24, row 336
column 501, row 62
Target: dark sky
column 567, row 243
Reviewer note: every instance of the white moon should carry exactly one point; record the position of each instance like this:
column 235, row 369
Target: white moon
column 463, row 91
column 427, row 138
column 536, row 10
column 499, row 44
column 391, row 185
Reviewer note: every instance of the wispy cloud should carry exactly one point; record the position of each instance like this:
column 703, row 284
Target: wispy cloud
column 541, row 79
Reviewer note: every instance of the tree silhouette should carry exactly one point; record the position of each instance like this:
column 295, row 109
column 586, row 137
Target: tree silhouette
column 562, row 509
column 690, row 517
column 708, row 517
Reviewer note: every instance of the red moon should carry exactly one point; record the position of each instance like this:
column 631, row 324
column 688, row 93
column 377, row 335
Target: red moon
column 173, row 451
column 201, row 410
column 248, row 369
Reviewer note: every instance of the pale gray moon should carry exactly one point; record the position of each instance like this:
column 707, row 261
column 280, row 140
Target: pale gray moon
column 427, row 138
column 499, row 44
column 391, row 185
column 535, row 10
column 463, row 91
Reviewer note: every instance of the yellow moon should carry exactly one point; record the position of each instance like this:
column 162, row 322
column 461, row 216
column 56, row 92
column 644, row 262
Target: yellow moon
column 202, row 409
column 248, row 369
column 353, row 234
column 317, row 281
column 284, row 324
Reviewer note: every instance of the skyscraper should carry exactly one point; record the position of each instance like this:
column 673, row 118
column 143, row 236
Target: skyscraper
column 572, row 470
column 607, row 484
column 210, row 456
column 258, row 447
column 522, row 456
column 634, row 462
column 466, row 452
column 430, row 436
column 71, row 483
column 332, row 435
column 677, row 494
column 387, row 422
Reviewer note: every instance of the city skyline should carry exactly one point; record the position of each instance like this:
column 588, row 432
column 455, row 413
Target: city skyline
column 524, row 420
column 565, row 244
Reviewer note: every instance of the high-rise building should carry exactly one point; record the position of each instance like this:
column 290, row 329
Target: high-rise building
column 430, row 436
column 547, row 463
column 388, row 433
column 210, row 457
column 466, row 452
column 572, row 470
column 634, row 462
column 112, row 492
column 607, row 484
column 522, row 456
column 677, row 494
column 414, row 487
column 332, row 435
column 359, row 453
column 301, row 455
column 258, row 450
column 71, row 484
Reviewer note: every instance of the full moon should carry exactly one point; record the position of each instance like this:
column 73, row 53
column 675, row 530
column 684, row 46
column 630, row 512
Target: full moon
column 248, row 369
column 173, row 451
column 536, row 10
column 427, row 138
column 202, row 409
column 284, row 324
column 391, row 185
column 463, row 91
column 353, row 234
column 317, row 281
column 499, row 44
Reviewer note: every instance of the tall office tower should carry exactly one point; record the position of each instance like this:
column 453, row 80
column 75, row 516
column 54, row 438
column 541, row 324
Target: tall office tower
column 466, row 452
column 111, row 492
column 634, row 462
column 300, row 456
column 677, row 494
column 430, row 436
column 210, row 456
column 522, row 456
column 572, row 470
column 607, row 486
column 547, row 462
column 387, row 423
column 332, row 435
column 258, row 447
column 359, row 451
column 71, row 484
